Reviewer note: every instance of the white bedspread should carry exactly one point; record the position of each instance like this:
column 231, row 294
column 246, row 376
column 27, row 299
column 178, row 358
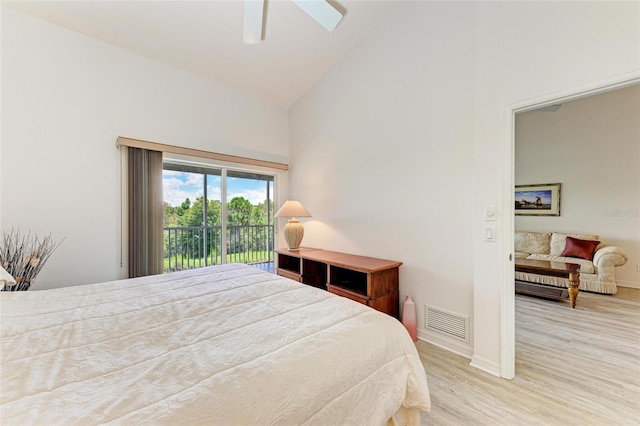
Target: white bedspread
column 220, row 345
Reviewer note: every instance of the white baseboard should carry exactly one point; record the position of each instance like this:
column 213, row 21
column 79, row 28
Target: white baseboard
column 446, row 343
column 629, row 284
column 462, row 349
column 485, row 365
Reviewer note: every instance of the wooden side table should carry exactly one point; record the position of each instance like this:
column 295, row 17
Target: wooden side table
column 367, row 280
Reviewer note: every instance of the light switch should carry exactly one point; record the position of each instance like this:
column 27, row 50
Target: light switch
column 490, row 213
column 490, row 234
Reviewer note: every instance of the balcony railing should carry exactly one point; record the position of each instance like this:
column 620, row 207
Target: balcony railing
column 197, row 246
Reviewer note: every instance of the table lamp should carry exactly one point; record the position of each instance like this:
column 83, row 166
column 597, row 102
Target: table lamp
column 293, row 230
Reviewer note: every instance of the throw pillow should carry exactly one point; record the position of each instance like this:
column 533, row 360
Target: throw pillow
column 559, row 241
column 532, row 242
column 583, row 249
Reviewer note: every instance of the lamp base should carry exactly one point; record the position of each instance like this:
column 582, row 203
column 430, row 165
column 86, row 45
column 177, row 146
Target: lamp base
column 293, row 233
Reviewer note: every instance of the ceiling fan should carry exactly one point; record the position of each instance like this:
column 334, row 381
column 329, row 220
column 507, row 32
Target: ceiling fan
column 320, row 10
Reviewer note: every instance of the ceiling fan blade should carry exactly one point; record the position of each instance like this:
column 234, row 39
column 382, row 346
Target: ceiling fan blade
column 320, row 10
column 253, row 14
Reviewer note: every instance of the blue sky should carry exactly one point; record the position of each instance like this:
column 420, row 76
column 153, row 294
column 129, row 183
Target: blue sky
column 178, row 186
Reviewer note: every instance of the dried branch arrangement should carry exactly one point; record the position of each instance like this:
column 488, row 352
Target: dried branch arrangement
column 24, row 256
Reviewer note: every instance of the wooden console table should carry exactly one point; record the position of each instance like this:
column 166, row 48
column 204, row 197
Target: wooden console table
column 555, row 269
column 370, row 281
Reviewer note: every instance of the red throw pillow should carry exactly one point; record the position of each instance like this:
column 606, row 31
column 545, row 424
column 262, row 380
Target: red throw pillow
column 583, row 249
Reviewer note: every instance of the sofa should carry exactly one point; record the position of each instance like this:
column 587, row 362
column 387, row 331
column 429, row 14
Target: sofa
column 597, row 261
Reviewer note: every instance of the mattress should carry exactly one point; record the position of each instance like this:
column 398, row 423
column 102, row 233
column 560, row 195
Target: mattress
column 226, row 344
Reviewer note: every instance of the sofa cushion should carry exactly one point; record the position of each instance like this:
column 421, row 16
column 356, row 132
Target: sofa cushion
column 532, row 242
column 559, row 241
column 576, row 247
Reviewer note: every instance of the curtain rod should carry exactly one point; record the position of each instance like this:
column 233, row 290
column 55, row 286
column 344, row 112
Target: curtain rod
column 173, row 149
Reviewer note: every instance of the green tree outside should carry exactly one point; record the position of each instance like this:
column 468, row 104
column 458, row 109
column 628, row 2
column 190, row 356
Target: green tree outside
column 248, row 238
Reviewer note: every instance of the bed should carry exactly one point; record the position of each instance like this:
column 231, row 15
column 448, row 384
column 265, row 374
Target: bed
column 226, row 344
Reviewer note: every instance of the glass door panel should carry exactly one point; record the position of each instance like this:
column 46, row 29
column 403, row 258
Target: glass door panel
column 199, row 203
column 213, row 215
column 183, row 195
column 249, row 215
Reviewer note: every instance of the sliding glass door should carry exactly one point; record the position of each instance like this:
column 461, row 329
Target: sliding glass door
column 215, row 216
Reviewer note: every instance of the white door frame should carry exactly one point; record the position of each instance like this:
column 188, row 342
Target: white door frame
column 507, row 332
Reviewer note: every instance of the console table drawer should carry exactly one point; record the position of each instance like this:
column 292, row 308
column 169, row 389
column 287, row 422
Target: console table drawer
column 289, row 274
column 360, row 298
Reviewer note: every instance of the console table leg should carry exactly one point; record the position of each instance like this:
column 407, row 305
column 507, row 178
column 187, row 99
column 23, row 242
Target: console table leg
column 574, row 284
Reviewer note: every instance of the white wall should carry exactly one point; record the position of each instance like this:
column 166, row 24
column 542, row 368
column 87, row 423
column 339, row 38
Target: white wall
column 381, row 154
column 398, row 149
column 526, row 50
column 591, row 146
column 65, row 100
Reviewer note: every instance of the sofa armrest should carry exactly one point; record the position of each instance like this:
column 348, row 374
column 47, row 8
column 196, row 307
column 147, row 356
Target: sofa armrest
column 609, row 256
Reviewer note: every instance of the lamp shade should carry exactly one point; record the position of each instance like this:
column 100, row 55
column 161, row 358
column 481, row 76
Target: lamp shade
column 292, row 208
column 293, row 230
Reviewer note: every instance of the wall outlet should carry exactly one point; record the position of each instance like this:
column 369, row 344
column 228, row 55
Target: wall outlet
column 638, row 267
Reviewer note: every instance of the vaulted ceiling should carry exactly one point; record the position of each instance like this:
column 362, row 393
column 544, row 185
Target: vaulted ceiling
column 205, row 38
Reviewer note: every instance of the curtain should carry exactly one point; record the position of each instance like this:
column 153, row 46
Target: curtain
column 144, row 169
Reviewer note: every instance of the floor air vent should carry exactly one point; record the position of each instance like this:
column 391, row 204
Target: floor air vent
column 452, row 324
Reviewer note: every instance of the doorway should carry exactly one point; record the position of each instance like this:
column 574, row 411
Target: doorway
column 507, row 364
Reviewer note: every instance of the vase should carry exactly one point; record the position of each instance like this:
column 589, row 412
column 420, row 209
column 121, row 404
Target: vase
column 409, row 317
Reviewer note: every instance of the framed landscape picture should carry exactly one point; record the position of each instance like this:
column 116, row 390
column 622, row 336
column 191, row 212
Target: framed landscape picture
column 538, row 200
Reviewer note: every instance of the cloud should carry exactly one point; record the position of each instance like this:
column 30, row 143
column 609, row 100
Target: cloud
column 174, row 191
column 214, row 193
column 194, row 179
column 254, row 196
column 178, row 186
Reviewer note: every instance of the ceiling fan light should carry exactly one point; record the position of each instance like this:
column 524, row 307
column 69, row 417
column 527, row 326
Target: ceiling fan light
column 252, row 28
column 320, row 10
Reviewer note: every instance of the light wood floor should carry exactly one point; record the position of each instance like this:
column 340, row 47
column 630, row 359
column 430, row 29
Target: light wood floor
column 573, row 367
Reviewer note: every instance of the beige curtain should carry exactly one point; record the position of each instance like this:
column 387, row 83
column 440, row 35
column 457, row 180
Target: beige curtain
column 145, row 212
